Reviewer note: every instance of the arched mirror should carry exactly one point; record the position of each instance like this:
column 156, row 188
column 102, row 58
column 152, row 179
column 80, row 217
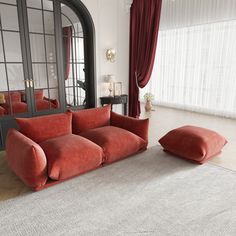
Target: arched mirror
column 43, row 70
column 12, row 69
column 73, row 53
column 46, row 59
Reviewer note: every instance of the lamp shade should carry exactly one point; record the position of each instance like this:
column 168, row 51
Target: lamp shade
column 110, row 78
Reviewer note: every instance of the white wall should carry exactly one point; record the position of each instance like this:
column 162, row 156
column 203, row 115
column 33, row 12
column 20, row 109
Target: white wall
column 111, row 20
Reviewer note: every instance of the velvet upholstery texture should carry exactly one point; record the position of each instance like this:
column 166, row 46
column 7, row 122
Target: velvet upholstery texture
column 116, row 143
column 38, row 94
column 41, row 102
column 27, row 159
column 90, row 118
column 2, row 111
column 193, row 143
column 44, row 105
column 13, row 96
column 71, row 155
column 136, row 126
column 17, row 107
column 42, row 128
column 13, row 101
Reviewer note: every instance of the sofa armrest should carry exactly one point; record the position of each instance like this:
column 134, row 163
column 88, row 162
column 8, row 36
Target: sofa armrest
column 55, row 102
column 136, row 126
column 27, row 159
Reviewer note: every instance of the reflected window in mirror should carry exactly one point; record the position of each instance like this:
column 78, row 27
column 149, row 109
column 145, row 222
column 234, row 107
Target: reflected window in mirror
column 11, row 61
column 73, row 54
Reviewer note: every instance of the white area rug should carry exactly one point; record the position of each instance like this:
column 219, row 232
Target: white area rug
column 152, row 193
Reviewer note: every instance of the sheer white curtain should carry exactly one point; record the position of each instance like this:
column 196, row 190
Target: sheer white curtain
column 195, row 67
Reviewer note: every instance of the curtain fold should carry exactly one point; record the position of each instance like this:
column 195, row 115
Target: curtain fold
column 194, row 67
column 67, row 36
column 144, row 26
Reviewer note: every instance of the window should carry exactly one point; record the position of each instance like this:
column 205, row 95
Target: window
column 195, row 68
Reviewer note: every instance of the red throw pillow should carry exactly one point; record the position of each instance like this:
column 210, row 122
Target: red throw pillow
column 42, row 128
column 29, row 163
column 193, row 143
column 83, row 120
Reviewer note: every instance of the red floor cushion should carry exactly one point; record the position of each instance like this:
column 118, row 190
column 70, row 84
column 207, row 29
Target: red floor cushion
column 117, row 143
column 71, row 155
column 193, row 143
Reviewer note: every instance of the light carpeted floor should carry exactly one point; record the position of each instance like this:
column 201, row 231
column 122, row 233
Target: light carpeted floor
column 152, row 193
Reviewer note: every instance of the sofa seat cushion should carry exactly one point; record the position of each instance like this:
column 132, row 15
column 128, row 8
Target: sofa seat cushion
column 71, row 155
column 42, row 128
column 193, row 143
column 117, row 143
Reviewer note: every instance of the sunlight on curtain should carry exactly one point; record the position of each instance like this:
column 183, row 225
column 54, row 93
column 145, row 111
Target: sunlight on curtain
column 195, row 68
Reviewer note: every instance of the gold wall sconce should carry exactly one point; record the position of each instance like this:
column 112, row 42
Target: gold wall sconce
column 111, row 54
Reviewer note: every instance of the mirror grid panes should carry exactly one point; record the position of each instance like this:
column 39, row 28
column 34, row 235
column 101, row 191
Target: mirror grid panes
column 43, row 54
column 42, row 59
column 73, row 43
column 12, row 86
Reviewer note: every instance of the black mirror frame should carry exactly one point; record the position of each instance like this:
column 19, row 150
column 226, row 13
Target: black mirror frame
column 89, row 45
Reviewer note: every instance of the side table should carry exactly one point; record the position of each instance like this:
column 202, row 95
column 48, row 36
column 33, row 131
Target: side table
column 122, row 99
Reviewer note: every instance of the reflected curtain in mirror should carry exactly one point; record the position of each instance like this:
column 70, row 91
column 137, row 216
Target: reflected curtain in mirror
column 67, row 32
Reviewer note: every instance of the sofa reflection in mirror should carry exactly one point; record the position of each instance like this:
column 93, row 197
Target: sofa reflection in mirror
column 14, row 102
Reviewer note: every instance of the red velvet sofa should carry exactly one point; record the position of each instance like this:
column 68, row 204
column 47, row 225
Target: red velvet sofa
column 16, row 101
column 50, row 149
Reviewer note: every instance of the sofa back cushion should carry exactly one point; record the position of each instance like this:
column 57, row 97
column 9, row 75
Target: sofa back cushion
column 38, row 94
column 42, row 128
column 90, row 118
column 12, row 97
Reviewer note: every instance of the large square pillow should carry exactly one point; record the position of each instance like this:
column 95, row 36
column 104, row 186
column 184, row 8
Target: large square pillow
column 193, row 143
column 83, row 120
column 42, row 128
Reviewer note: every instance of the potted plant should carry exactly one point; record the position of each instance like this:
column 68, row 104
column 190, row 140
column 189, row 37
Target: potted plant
column 148, row 97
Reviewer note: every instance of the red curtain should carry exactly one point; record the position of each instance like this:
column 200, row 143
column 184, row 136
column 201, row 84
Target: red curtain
column 67, row 34
column 144, row 26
